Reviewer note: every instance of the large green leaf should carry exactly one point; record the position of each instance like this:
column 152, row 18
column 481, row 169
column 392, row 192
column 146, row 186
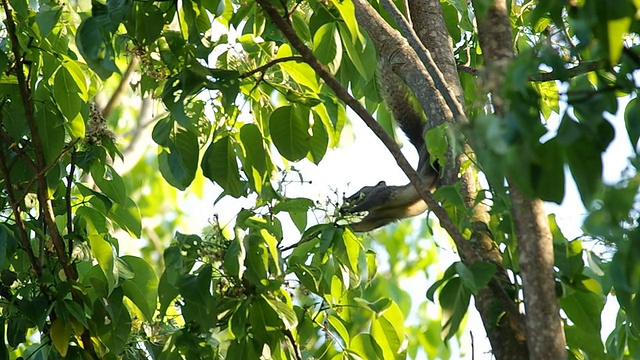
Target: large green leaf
column 67, row 93
column 51, row 129
column 105, row 254
column 178, row 162
column 111, row 321
column 128, row 217
column 92, row 44
column 367, row 347
column 142, row 289
column 454, row 300
column 220, row 165
column 284, row 311
column 289, row 128
column 327, row 46
column 388, row 330
column 110, row 182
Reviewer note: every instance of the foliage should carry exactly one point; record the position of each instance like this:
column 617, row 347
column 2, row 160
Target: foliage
column 242, row 106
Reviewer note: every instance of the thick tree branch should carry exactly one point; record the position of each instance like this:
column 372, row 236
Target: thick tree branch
column 507, row 333
column 431, row 29
column 452, row 101
column 446, row 222
column 545, row 337
column 68, row 268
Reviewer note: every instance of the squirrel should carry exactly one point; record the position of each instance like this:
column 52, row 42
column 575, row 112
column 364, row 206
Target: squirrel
column 384, row 203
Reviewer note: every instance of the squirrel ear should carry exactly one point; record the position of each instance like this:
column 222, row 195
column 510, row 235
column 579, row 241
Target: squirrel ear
column 382, row 183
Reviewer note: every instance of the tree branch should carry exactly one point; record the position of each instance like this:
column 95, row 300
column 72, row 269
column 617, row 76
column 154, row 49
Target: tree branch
column 69, row 269
column 545, row 337
column 454, row 105
column 264, row 67
column 563, row 75
column 15, row 207
column 507, row 332
column 446, row 222
column 115, row 97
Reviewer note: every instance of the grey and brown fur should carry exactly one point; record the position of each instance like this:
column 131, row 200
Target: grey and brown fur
column 387, row 203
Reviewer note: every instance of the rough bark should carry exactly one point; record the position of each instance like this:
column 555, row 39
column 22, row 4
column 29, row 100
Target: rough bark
column 545, row 336
column 506, row 334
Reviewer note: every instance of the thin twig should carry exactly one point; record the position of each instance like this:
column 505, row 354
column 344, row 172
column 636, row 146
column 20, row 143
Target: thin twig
column 264, row 67
column 294, row 344
column 44, row 171
column 581, row 68
column 67, row 200
column 15, row 207
column 115, row 97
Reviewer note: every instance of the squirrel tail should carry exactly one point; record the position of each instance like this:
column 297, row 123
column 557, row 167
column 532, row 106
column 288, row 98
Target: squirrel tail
column 404, row 109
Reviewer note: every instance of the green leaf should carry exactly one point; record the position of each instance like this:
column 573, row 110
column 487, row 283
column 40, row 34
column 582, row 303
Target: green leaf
column 148, row 23
column 327, row 46
column 220, row 165
column 378, row 307
column 263, row 320
column 110, row 182
column 372, row 265
column 448, row 274
column 112, row 321
column 483, row 272
column 289, row 128
column 319, row 141
column 17, row 330
column 257, row 259
column 366, row 346
column 76, row 311
column 347, row 248
column 60, row 334
column 127, row 216
column 178, row 162
column 632, row 121
column 589, row 343
column 234, row 258
column 301, row 73
column 300, row 26
column 616, row 29
column 106, row 257
column 549, row 97
column 547, row 174
column 256, row 157
column 338, row 326
column 584, row 308
column 47, row 18
column 348, row 14
column 91, row 43
column 354, row 54
column 454, row 300
column 238, row 321
column 142, row 289
column 568, row 257
column 51, row 129
column 284, row 311
column 66, row 92
column 95, row 222
column 585, row 163
column 388, row 330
